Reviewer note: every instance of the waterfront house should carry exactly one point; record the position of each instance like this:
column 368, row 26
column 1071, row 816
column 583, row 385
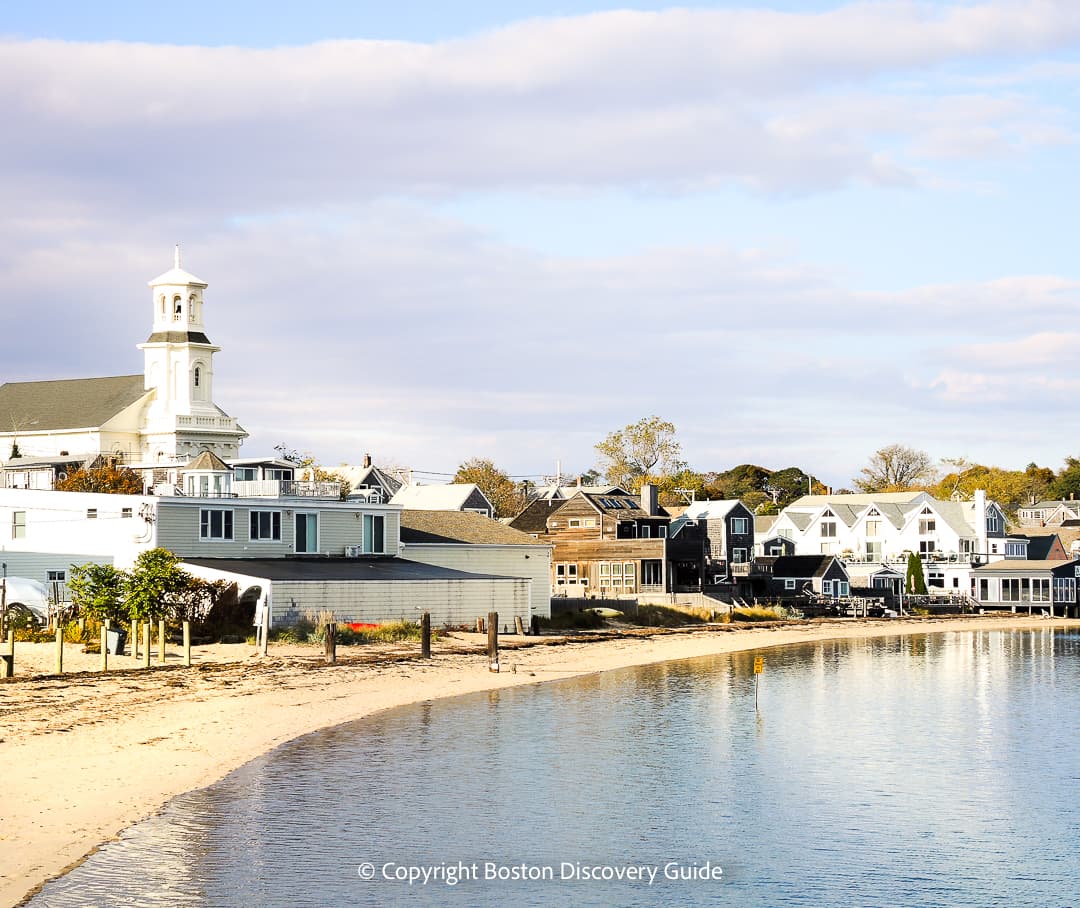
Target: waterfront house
column 1035, row 587
column 726, row 529
column 801, row 577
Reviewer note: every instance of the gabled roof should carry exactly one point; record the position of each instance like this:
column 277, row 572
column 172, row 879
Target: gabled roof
column 810, row 502
column 711, row 510
column 72, row 403
column 449, row 497
column 207, row 461
column 802, row 565
column 616, row 505
column 534, row 518
column 459, row 528
column 373, row 476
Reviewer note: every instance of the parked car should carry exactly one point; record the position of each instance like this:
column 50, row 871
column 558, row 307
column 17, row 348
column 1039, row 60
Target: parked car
column 27, row 597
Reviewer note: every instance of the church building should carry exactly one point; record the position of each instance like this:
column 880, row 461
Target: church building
column 161, row 418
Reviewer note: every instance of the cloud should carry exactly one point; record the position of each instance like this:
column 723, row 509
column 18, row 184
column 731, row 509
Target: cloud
column 779, row 103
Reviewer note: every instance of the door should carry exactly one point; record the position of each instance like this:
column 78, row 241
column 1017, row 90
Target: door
column 307, row 532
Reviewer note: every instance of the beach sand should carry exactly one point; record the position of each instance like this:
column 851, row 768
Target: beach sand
column 85, row 755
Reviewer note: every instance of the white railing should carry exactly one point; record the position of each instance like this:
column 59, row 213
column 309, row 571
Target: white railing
column 285, row 488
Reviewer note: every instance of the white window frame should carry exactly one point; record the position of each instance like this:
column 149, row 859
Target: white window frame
column 740, row 526
column 227, row 530
column 738, row 556
column 827, row 529
column 789, row 583
column 256, row 532
column 18, row 524
column 318, row 532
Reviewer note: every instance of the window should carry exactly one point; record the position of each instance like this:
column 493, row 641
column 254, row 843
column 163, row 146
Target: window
column 740, row 526
column 927, row 526
column 1065, row 589
column 826, row 587
column 873, row 550
column 1015, row 549
column 1040, row 589
column 574, row 522
column 738, row 556
column 58, row 576
column 645, row 531
column 279, row 474
column 840, row 587
column 789, row 583
column 828, row 529
column 215, row 524
column 374, row 534
column 18, row 525
column 197, row 377
column 1010, row 589
column 245, row 474
column 662, row 531
column 91, row 513
column 926, row 546
column 652, row 573
column 307, row 532
column 266, row 526
column 993, row 521
column 125, row 512
column 565, row 573
column 774, row 548
column 873, row 528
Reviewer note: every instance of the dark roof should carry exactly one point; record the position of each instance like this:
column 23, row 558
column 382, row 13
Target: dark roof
column 178, row 337
column 628, row 506
column 459, row 528
column 534, row 518
column 73, row 403
column 373, row 476
column 801, row 565
column 1038, row 547
column 318, row 569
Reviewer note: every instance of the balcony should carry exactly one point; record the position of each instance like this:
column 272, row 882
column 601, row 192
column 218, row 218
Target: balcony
column 286, row 488
column 208, row 423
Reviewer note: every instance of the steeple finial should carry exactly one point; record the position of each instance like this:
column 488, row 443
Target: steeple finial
column 176, row 257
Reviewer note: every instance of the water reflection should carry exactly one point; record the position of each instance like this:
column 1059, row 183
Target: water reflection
column 914, row 770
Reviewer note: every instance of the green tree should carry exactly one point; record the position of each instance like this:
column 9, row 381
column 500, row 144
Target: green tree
column 1067, row 483
column 154, row 585
column 916, row 579
column 499, row 488
column 787, row 485
column 106, row 478
column 97, row 590
column 642, row 451
column 896, row 468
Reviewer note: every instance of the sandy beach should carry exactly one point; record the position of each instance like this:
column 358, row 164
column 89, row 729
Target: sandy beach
column 86, row 755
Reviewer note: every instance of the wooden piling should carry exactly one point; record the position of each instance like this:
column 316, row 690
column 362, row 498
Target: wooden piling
column 266, row 629
column 493, row 641
column 187, row 643
column 7, row 664
column 425, row 635
column 59, row 648
column 330, row 643
column 520, row 626
column 146, row 644
column 479, row 625
column 105, row 647
column 134, row 639
column 161, row 642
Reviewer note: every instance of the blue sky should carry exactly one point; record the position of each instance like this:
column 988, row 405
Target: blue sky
column 800, row 231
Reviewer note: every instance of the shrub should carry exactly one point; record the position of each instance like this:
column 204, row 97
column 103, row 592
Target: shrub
column 671, row 615
column 756, row 613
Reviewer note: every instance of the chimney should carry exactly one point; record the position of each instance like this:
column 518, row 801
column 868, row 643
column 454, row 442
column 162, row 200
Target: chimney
column 650, row 502
column 367, row 461
column 980, row 522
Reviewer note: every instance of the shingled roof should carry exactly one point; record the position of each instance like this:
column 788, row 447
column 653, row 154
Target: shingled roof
column 459, row 527
column 73, row 403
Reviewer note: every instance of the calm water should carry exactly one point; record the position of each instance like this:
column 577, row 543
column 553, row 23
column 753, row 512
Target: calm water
column 921, row 770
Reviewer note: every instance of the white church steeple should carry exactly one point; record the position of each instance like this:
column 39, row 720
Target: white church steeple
column 179, row 370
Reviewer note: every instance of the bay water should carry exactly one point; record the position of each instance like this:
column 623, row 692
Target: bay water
column 917, row 770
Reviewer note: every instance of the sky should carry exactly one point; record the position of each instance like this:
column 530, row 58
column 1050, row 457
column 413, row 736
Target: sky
column 800, row 231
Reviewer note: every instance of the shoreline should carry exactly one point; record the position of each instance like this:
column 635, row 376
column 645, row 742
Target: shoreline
column 87, row 755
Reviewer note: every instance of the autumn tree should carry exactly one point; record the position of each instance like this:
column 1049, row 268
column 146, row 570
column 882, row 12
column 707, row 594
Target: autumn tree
column 641, row 451
column 105, row 478
column 896, row 468
column 494, row 483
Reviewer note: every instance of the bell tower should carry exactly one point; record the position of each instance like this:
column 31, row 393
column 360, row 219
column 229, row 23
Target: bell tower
column 182, row 418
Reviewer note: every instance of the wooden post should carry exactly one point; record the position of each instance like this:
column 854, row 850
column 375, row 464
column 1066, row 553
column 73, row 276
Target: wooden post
column 493, row 641
column 146, row 644
column 59, row 648
column 161, row 641
column 187, row 643
column 520, row 626
column 105, row 646
column 425, row 635
column 479, row 625
column 534, row 625
column 7, row 664
column 330, row 643
column 134, row 639
column 266, row 628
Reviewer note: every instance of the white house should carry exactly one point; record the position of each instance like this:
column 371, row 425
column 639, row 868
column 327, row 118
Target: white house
column 951, row 536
